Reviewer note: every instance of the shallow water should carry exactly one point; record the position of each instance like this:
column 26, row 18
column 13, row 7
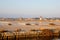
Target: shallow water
column 40, row 38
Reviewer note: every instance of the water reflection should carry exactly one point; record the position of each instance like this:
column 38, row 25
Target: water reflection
column 31, row 38
column 39, row 38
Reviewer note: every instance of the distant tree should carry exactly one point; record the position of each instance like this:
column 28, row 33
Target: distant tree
column 9, row 24
column 51, row 24
column 28, row 24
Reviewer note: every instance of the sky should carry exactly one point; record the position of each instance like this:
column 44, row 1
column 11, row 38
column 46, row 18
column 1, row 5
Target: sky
column 29, row 8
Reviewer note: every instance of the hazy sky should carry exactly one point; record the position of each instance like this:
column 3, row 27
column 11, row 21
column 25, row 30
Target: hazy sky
column 29, row 8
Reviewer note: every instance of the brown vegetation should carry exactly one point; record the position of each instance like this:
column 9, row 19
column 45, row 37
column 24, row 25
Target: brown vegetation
column 47, row 32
